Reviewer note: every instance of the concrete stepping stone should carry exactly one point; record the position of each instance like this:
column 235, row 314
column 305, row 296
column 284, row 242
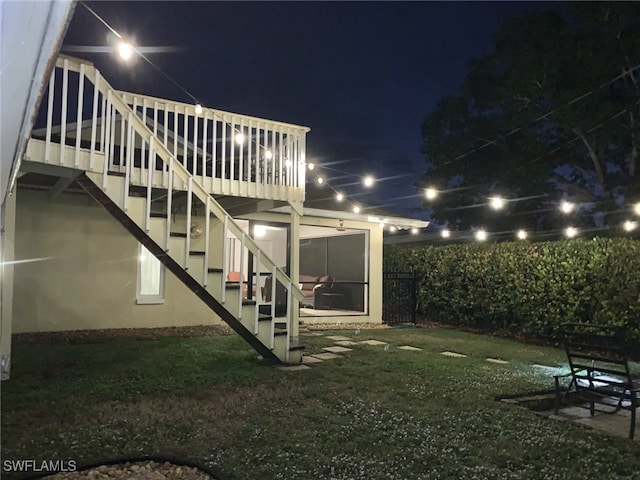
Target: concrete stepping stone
column 293, row 368
column 308, row 360
column 338, row 337
column 453, row 354
column 337, row 349
column 409, row 347
column 325, row 356
column 373, row 342
column 496, row 360
column 345, row 343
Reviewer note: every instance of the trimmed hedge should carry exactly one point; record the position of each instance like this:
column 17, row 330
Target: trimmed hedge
column 526, row 288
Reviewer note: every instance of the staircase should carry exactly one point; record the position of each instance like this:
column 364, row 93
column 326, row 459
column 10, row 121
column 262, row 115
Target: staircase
column 139, row 167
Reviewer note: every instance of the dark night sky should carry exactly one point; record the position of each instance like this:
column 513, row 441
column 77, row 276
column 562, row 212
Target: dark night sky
column 362, row 75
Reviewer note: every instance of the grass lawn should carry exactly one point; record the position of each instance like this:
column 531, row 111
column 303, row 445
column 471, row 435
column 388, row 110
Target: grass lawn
column 370, row 414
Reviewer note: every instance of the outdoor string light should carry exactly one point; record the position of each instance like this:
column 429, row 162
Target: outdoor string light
column 198, row 109
column 125, row 50
column 629, row 226
column 430, row 193
column 311, row 166
column 636, row 208
column 481, row 235
column 497, row 203
column 356, row 209
column 320, row 180
column 445, row 233
column 570, row 232
column 522, row 235
column 567, row 207
column 368, row 181
column 339, row 196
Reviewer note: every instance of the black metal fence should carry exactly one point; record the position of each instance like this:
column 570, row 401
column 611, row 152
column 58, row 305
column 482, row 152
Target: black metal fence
column 399, row 297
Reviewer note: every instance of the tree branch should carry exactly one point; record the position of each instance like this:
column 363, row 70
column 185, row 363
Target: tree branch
column 592, row 155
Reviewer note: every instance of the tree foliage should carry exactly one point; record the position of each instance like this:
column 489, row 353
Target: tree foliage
column 553, row 111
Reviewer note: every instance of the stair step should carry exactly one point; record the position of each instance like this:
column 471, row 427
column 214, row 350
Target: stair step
column 246, row 301
column 116, row 174
column 296, row 347
column 178, row 234
column 279, row 331
column 264, row 318
column 214, row 270
column 196, row 253
column 158, row 215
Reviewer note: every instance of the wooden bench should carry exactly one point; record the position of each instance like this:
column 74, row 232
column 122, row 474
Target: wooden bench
column 599, row 370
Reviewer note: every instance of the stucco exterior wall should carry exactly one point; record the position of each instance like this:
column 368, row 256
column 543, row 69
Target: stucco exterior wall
column 80, row 271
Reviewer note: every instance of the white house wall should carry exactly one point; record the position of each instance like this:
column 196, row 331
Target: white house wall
column 80, row 272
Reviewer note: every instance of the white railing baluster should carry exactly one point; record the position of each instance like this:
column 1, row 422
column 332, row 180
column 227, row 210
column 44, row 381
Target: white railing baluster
column 150, row 169
column 107, row 156
column 224, row 155
column 169, row 204
column 47, row 140
column 76, row 160
column 166, row 133
column 185, row 143
column 274, row 281
column 232, row 152
column 94, row 119
column 250, row 167
column 225, row 228
column 121, row 166
column 175, row 132
column 63, row 115
column 195, row 146
column 207, row 225
column 257, row 284
column 205, row 122
column 289, row 319
column 241, row 270
column 187, row 244
column 103, row 121
column 129, row 165
column 214, row 150
column 241, row 153
column 142, row 147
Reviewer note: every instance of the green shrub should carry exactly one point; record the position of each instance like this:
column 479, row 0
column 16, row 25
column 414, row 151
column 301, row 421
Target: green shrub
column 525, row 288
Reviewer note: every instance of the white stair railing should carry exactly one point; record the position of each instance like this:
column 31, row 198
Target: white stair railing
column 124, row 131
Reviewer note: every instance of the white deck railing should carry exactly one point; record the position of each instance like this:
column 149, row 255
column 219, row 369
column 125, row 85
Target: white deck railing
column 229, row 154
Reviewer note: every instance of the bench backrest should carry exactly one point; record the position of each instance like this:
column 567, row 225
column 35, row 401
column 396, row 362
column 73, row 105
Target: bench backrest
column 597, row 357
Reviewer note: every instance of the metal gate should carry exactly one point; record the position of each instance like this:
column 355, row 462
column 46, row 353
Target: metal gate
column 399, row 297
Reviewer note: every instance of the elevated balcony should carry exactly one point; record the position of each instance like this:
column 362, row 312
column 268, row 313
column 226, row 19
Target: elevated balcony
column 80, row 127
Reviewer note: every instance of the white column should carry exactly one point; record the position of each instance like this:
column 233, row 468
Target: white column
column 7, row 237
column 294, row 273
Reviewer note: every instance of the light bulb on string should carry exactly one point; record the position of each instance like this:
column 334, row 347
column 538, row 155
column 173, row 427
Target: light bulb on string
column 522, row 235
column 268, row 155
column 636, row 208
column 445, row 233
column 125, row 50
column 570, row 232
column 198, row 109
column 629, row 226
column 430, row 193
column 320, row 180
column 240, row 138
column 481, row 235
column 339, row 196
column 497, row 203
column 311, row 166
column 368, row 181
column 356, row 209
column 567, row 207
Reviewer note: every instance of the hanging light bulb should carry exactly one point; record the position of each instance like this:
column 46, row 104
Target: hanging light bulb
column 567, row 207
column 522, row 235
column 368, row 181
column 636, row 208
column 339, row 196
column 445, row 233
column 629, row 226
column 481, row 235
column 311, row 166
column 414, row 231
column 430, row 193
column 320, row 180
column 125, row 50
column 497, row 203
column 392, row 229
column 240, row 138
column 570, row 232
column 356, row 209
column 198, row 109
column 268, row 155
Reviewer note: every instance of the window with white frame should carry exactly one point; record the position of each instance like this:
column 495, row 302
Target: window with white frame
column 151, row 275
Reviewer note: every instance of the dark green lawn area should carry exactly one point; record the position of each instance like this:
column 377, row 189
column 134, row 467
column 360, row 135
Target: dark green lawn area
column 371, row 414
